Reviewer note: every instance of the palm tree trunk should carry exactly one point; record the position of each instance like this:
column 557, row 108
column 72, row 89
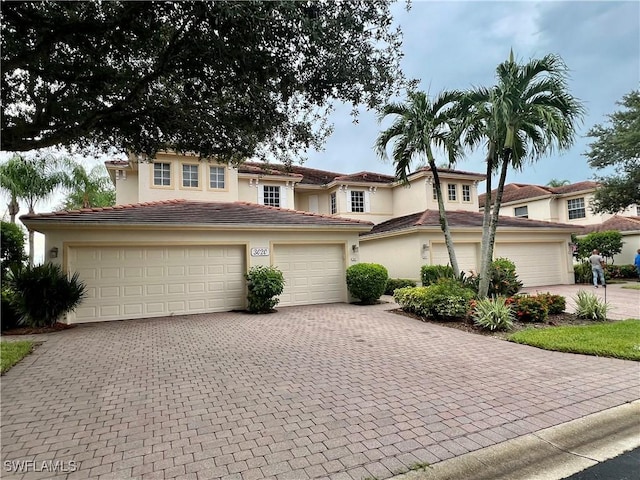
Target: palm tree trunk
column 444, row 224
column 493, row 224
column 485, row 257
column 14, row 208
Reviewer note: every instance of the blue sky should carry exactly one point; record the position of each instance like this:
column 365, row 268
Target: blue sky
column 458, row 44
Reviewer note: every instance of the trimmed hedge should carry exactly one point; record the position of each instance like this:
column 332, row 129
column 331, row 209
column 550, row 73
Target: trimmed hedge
column 444, row 300
column 264, row 285
column 430, row 274
column 394, row 283
column 367, row 281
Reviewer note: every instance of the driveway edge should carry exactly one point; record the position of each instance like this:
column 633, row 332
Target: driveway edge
column 549, row 454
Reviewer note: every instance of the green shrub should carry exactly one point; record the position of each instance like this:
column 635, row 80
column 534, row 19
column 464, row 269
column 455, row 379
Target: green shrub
column 582, row 272
column 264, row 284
column 504, row 280
column 493, row 314
column 9, row 317
column 589, row 306
column 620, row 271
column 395, row 283
column 367, row 281
column 432, row 273
column 530, row 308
column 556, row 303
column 444, row 300
column 12, row 246
column 43, row 293
column 504, row 264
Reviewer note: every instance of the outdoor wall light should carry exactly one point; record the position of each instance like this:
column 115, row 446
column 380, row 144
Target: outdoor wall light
column 354, row 248
column 53, row 253
column 425, row 247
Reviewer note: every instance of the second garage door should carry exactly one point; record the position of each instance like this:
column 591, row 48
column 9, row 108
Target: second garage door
column 465, row 255
column 536, row 264
column 137, row 282
column 313, row 273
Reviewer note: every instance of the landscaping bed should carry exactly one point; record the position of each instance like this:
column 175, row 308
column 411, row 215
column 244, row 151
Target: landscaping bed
column 56, row 327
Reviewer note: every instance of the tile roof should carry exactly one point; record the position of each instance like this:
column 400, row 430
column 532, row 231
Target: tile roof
column 450, row 170
column 184, row 212
column 514, row 192
column 617, row 222
column 366, row 177
column 310, row 176
column 459, row 219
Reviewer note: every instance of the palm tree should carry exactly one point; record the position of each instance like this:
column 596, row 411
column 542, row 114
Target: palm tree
column 420, row 125
column 527, row 114
column 554, row 182
column 30, row 180
column 87, row 189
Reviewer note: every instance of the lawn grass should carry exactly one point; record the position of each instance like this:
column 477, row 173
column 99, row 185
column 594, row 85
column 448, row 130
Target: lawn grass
column 616, row 339
column 12, row 352
column 632, row 287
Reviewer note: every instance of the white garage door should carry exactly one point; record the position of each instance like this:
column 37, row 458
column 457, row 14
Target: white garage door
column 313, row 273
column 465, row 255
column 139, row 282
column 537, row 264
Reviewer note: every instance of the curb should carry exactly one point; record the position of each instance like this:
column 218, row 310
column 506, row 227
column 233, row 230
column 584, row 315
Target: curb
column 550, row 454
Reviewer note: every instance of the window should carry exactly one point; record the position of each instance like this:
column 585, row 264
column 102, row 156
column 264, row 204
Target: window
column 466, row 193
column 576, row 208
column 453, row 192
column 216, row 177
column 357, row 201
column 190, row 176
column 435, row 192
column 162, row 174
column 637, row 210
column 271, row 196
column 333, row 205
column 522, row 212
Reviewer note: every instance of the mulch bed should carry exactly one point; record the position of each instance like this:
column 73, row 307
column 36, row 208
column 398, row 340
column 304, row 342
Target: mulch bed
column 57, row 327
column 467, row 325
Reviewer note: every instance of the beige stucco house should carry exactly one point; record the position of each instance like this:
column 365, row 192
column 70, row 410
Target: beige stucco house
column 629, row 228
column 184, row 231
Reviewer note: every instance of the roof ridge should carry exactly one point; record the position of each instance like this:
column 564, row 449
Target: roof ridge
column 310, row 214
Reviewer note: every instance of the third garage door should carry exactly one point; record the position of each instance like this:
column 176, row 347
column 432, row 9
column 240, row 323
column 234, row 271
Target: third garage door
column 313, row 273
column 537, row 264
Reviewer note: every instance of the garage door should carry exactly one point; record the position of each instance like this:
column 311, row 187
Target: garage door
column 313, row 273
column 138, row 282
column 537, row 264
column 465, row 255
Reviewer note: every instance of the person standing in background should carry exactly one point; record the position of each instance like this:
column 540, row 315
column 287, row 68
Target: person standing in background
column 636, row 262
column 597, row 268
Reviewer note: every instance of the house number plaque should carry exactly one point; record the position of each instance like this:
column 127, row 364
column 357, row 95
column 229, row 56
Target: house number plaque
column 259, row 252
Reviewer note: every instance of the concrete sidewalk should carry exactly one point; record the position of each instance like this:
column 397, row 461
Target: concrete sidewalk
column 624, row 302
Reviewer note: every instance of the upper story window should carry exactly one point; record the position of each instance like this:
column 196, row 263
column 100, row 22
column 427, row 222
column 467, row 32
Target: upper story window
column 333, row 203
column 271, row 196
column 357, row 201
column 162, row 174
column 190, row 176
column 466, row 193
column 452, row 191
column 216, row 177
column 522, row 212
column 576, row 209
column 637, row 210
column 435, row 192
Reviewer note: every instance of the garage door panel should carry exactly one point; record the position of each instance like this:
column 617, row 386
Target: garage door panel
column 134, row 282
column 466, row 255
column 537, row 264
column 313, row 273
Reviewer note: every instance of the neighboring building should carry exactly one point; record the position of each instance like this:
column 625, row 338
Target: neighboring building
column 568, row 204
column 184, row 232
column 629, row 227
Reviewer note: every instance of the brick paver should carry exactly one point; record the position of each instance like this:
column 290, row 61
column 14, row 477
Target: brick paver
column 333, row 391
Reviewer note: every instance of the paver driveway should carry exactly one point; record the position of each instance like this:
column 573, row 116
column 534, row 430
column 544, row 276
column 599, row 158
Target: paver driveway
column 337, row 391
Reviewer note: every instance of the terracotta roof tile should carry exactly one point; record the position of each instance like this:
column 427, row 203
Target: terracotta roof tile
column 366, row 177
column 460, row 219
column 617, row 222
column 183, row 212
column 514, row 192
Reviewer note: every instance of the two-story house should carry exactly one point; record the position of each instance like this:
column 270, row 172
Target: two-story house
column 184, row 232
column 571, row 204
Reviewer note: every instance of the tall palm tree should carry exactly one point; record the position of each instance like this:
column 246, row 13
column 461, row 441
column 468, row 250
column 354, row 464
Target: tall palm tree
column 87, row 189
column 527, row 114
column 30, row 180
column 420, row 125
column 554, row 182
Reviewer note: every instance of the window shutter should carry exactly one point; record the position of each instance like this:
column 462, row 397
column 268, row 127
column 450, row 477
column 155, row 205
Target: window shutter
column 283, row 197
column 367, row 201
column 313, row 203
column 348, row 193
column 260, row 194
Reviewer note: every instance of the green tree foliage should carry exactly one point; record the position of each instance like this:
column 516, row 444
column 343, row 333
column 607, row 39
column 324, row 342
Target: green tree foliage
column 527, row 114
column 609, row 244
column 554, row 182
column 12, row 241
column 218, row 78
column 87, row 189
column 617, row 145
column 420, row 125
